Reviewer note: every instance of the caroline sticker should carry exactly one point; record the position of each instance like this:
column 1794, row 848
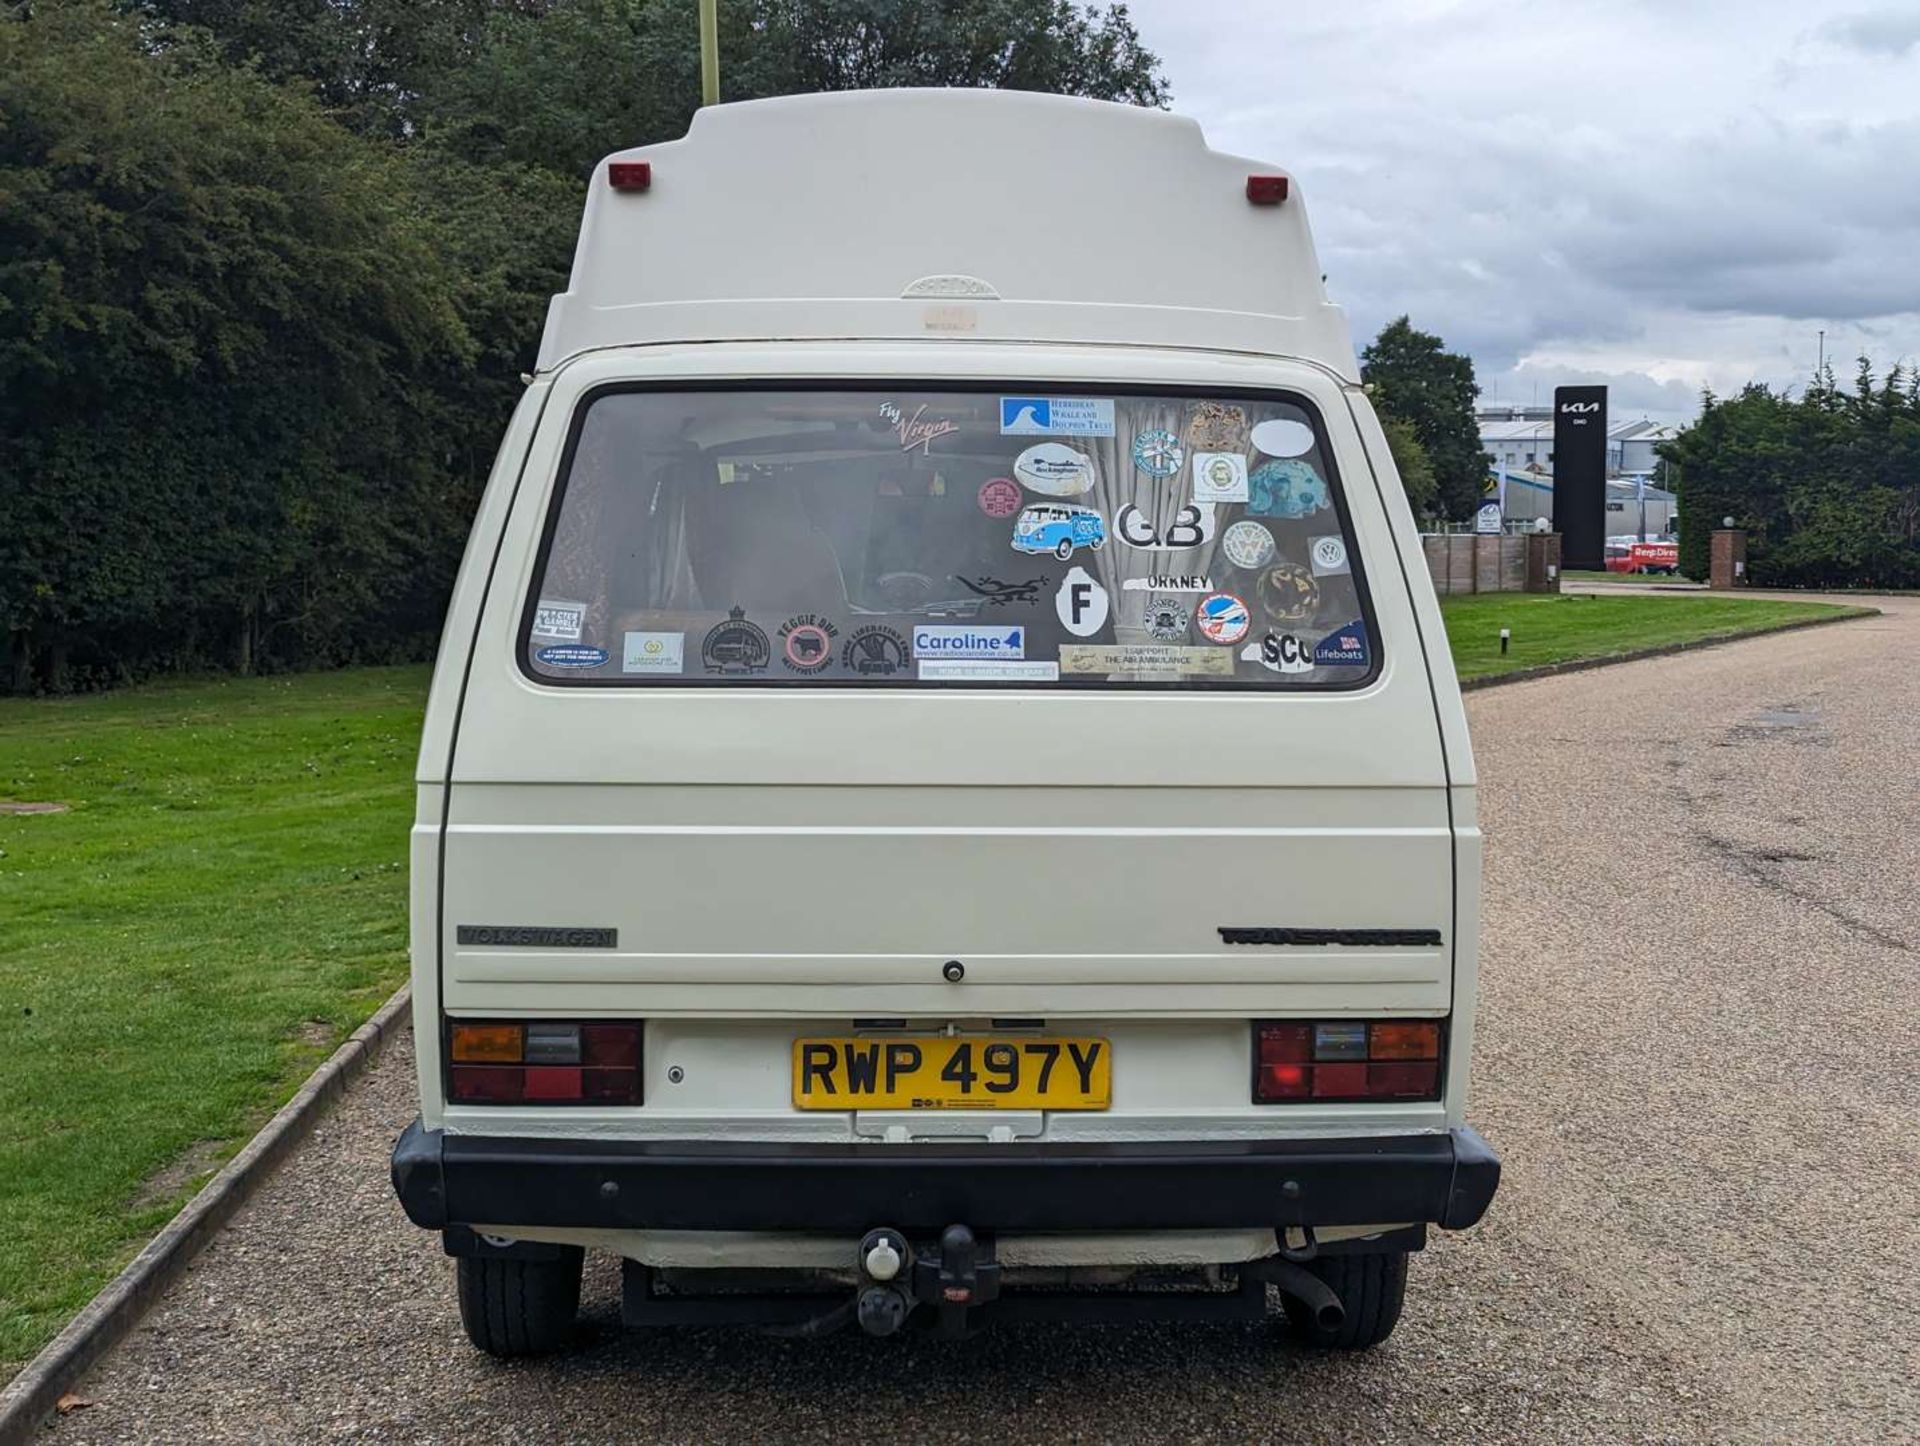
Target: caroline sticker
column 1056, row 416
column 654, row 653
column 1079, row 659
column 1158, row 453
column 806, row 643
column 1287, row 593
column 973, row 641
column 1081, row 603
column 1165, row 619
column 1247, row 545
column 562, row 620
column 1344, row 647
column 571, row 656
column 1000, row 497
column 736, row 647
column 1328, row 555
column 1286, row 489
column 1192, row 526
column 1054, row 469
column 1219, row 477
column 874, row 652
column 1280, row 653
column 1222, row 618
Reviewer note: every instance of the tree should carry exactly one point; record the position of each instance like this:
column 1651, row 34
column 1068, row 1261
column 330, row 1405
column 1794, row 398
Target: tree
column 1415, row 379
column 1410, row 460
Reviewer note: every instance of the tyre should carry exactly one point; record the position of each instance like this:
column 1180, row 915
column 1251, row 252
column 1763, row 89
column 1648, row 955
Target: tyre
column 1064, row 550
column 520, row 1307
column 1371, row 1287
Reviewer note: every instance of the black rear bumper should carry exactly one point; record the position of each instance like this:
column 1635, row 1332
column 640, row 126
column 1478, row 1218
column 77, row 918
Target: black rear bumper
column 1445, row 1180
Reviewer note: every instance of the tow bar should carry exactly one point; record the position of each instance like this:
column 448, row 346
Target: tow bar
column 953, row 1279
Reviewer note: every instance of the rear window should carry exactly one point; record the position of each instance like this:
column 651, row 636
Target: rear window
column 881, row 537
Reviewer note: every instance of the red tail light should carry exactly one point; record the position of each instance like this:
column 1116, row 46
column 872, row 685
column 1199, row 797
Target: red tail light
column 1346, row 1060
column 630, row 175
column 1266, row 190
column 543, row 1062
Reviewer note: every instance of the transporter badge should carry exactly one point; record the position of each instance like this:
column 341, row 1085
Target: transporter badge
column 736, row 647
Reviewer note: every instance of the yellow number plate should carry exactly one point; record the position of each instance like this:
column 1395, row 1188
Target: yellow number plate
column 970, row 1072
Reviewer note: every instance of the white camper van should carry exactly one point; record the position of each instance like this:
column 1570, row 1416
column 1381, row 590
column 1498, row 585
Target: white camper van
column 944, row 797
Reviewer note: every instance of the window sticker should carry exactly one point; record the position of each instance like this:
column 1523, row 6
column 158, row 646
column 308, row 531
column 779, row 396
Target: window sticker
column 1248, row 545
column 917, row 430
column 562, row 620
column 1344, row 647
column 875, row 651
column 1283, row 437
column 1328, row 556
column 1081, row 603
column 1286, row 489
column 1001, row 594
column 1280, row 653
column 806, row 643
column 1054, row 469
column 1192, row 526
column 1171, row 582
column 1138, row 658
column 570, row 655
column 1000, row 497
column 931, row 640
column 1056, row 417
column 654, row 653
column 1047, row 528
column 736, row 647
column 1166, row 620
column 1287, row 593
column 1219, row 477
column 988, row 670
column 1222, row 618
column 1217, row 427
column 1158, row 453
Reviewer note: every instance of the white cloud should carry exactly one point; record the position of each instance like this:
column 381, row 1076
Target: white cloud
column 1659, row 196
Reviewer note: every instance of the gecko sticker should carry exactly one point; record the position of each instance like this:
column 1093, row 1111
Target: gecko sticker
column 1222, row 618
column 1158, row 453
column 1001, row 594
column 1054, row 469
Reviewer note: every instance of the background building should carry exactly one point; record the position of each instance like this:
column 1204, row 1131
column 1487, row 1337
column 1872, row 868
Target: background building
column 1518, row 442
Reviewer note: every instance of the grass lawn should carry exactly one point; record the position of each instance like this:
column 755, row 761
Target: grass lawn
column 225, row 901
column 1554, row 628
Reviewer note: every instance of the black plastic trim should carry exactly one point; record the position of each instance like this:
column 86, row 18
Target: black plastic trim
column 1444, row 1179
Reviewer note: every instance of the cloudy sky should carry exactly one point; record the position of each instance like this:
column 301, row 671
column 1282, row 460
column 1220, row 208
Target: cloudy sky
column 1655, row 194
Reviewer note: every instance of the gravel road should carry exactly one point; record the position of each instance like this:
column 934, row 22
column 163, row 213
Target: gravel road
column 1698, row 1054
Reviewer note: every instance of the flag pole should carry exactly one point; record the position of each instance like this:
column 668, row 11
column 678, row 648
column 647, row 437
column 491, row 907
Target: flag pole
column 709, row 52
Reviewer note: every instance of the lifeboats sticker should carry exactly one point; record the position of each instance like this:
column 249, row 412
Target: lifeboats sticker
column 1344, row 647
column 1054, row 469
column 1081, row 603
column 1219, row 477
column 654, row 653
column 1280, row 653
column 1222, row 618
column 571, row 655
column 562, row 620
column 1056, row 417
column 973, row 641
column 806, row 643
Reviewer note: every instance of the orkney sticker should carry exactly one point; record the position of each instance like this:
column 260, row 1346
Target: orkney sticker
column 654, row 653
column 1080, row 659
column 1222, row 618
column 1000, row 594
column 1328, row 556
column 1248, row 545
column 1171, row 582
column 806, row 643
column 571, row 656
column 937, row 641
column 1158, row 453
column 736, row 647
column 1279, row 653
column 562, row 620
column 987, row 670
column 1287, row 593
column 1081, row 603
column 874, row 652
column 917, row 430
column 1054, row 469
column 1344, row 647
column 1192, row 526
column 1219, row 477
column 1056, row 417
column 1286, row 489
column 1283, row 437
column 1165, row 619
column 1000, row 497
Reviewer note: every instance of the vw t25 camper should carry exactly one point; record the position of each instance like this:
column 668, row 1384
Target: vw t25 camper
column 844, row 910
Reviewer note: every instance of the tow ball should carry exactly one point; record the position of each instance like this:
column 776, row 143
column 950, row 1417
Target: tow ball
column 954, row 1278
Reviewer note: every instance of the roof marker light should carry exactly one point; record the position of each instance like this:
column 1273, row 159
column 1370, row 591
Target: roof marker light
column 630, row 175
column 1266, row 190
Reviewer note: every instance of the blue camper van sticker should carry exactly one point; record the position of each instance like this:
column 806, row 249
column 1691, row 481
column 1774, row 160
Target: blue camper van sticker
column 1059, row 530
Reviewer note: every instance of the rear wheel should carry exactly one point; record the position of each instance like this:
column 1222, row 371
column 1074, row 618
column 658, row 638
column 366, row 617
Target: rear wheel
column 520, row 1307
column 1064, row 550
column 1371, row 1287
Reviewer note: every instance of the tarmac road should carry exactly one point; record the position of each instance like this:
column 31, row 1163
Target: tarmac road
column 1698, row 1054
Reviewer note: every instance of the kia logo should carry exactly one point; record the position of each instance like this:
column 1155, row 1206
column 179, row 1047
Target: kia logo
column 1581, row 407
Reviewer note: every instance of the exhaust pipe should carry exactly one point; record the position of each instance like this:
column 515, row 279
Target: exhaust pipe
column 1304, row 1286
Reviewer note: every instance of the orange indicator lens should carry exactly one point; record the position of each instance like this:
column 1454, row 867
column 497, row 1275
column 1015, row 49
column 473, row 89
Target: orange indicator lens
column 486, row 1043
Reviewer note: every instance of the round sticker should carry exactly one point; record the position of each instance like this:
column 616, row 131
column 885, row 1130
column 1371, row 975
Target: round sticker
column 1283, row 437
column 1223, row 618
column 875, row 651
column 1248, row 545
column 806, row 643
column 736, row 646
column 1000, row 497
column 1286, row 489
column 1158, row 453
column 1288, row 593
column 1166, row 620
column 1054, row 469
column 1329, row 555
